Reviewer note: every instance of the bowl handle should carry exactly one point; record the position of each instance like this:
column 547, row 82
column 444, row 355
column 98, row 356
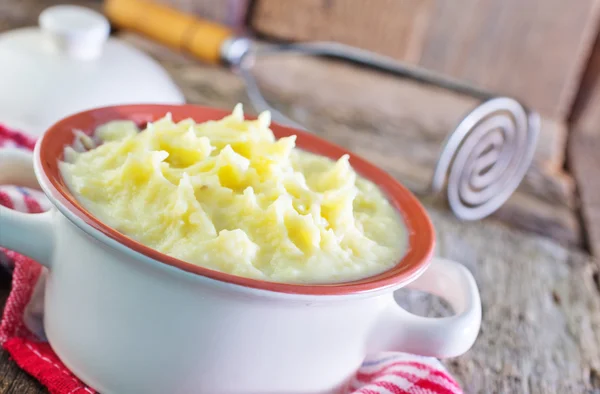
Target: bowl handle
column 28, row 234
column 400, row 330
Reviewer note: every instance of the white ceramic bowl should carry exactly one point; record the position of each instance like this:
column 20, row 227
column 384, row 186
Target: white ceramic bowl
column 128, row 319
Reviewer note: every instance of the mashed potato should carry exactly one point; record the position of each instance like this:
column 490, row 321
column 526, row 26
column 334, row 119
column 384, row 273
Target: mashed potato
column 227, row 195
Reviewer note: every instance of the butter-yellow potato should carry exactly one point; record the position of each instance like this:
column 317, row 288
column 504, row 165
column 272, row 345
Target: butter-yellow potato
column 228, row 195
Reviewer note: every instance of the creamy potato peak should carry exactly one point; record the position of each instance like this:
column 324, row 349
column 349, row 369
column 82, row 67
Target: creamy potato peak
column 228, row 195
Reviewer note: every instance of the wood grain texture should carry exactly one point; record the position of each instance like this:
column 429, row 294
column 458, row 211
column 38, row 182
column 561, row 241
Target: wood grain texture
column 584, row 162
column 541, row 311
column 585, row 116
column 534, row 50
column 396, row 28
column 584, row 149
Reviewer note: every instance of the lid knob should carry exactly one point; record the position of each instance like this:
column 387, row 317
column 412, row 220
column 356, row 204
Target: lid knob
column 75, row 31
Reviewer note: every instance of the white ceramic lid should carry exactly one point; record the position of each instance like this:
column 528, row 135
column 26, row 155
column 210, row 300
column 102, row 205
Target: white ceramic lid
column 69, row 64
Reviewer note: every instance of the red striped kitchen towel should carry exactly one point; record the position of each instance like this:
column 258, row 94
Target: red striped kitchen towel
column 22, row 334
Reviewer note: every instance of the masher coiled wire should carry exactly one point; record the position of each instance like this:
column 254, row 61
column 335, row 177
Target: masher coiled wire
column 482, row 161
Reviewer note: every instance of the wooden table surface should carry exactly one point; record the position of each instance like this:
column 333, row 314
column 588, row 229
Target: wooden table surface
column 541, row 301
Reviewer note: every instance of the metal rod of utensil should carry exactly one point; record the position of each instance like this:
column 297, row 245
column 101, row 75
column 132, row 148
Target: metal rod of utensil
column 482, row 161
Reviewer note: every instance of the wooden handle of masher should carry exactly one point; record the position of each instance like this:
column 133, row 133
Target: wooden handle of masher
column 169, row 27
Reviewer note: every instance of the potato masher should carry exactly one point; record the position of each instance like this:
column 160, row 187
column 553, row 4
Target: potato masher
column 482, row 161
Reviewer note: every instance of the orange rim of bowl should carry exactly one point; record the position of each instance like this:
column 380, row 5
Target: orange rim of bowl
column 421, row 237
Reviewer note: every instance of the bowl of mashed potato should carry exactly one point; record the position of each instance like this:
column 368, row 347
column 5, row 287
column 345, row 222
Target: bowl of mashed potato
column 191, row 241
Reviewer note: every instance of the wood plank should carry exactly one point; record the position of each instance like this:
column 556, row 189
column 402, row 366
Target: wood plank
column 585, row 116
column 399, row 125
column 396, row 28
column 535, row 50
column 584, row 162
column 503, row 46
column 583, row 148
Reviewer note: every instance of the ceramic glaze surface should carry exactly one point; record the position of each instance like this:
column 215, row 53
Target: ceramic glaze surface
column 61, row 68
column 203, row 330
column 185, row 329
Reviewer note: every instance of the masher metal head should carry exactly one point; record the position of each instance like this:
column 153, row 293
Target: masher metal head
column 482, row 161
